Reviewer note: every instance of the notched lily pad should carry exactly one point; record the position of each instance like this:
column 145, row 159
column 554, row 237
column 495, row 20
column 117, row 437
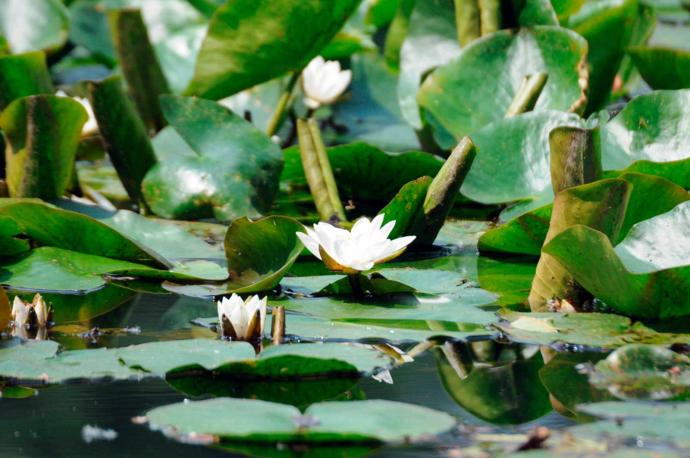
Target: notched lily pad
column 355, row 421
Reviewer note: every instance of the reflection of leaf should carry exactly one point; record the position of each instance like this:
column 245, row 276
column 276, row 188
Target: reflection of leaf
column 300, row 393
column 505, row 393
column 251, row 41
column 231, row 169
column 354, row 421
column 477, row 88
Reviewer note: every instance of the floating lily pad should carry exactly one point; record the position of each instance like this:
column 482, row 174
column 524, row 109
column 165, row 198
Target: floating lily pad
column 230, row 170
column 249, row 42
column 476, row 88
column 637, row 277
column 643, row 372
column 355, row 421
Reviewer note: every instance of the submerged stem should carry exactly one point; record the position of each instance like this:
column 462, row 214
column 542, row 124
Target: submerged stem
column 278, row 114
column 326, row 170
column 356, row 285
column 467, row 21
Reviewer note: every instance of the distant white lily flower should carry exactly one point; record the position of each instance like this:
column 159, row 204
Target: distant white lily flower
column 354, row 251
column 91, row 125
column 242, row 320
column 323, row 82
column 30, row 319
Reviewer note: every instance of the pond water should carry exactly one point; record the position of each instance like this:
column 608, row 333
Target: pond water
column 51, row 423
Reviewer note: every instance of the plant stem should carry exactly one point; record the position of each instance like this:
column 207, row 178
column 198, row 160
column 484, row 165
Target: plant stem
column 312, row 171
column 467, row 21
column 490, row 14
column 278, row 325
column 326, row 170
column 356, row 285
column 575, row 157
column 527, row 95
column 278, row 115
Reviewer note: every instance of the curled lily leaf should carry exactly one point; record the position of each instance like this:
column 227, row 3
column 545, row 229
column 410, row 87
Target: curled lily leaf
column 240, row 319
column 323, row 82
column 357, row 250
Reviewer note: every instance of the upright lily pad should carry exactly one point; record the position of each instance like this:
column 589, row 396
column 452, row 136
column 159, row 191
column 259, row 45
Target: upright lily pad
column 476, row 88
column 662, row 68
column 22, row 75
column 229, row 170
column 607, row 26
column 261, row 252
column 355, row 421
column 643, row 372
column 42, row 133
column 34, row 25
column 249, row 42
column 643, row 276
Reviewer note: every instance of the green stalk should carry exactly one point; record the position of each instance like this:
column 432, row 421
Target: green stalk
column 467, row 19
column 444, row 188
column 326, row 170
column 527, row 95
column 279, row 114
column 490, row 14
column 312, row 171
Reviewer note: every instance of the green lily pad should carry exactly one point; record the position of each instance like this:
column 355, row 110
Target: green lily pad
column 355, row 421
column 526, row 233
column 231, row 169
column 431, row 41
column 553, row 329
column 49, row 226
column 42, row 133
column 249, row 42
column 22, row 75
column 513, row 158
column 357, row 165
column 608, row 28
column 33, row 25
column 175, row 29
column 662, row 68
column 477, row 88
column 643, row 372
column 637, row 277
column 649, row 128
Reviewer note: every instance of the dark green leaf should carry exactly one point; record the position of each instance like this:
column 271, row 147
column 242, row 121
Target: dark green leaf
column 22, row 75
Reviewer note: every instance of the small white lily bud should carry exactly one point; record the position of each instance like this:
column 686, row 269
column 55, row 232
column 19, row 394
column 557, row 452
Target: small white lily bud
column 242, row 320
column 20, row 312
column 357, row 250
column 42, row 311
column 323, row 82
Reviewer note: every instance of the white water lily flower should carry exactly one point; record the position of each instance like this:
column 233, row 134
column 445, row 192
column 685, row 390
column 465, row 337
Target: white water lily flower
column 357, row 250
column 242, row 320
column 30, row 319
column 323, row 82
column 91, row 125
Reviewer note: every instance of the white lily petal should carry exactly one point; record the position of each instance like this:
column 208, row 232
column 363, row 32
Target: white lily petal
column 311, row 243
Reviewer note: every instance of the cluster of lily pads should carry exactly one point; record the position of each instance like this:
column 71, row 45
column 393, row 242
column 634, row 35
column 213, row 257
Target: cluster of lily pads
column 526, row 164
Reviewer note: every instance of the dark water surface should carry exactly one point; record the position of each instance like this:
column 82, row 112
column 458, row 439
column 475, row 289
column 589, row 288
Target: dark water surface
column 51, row 423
